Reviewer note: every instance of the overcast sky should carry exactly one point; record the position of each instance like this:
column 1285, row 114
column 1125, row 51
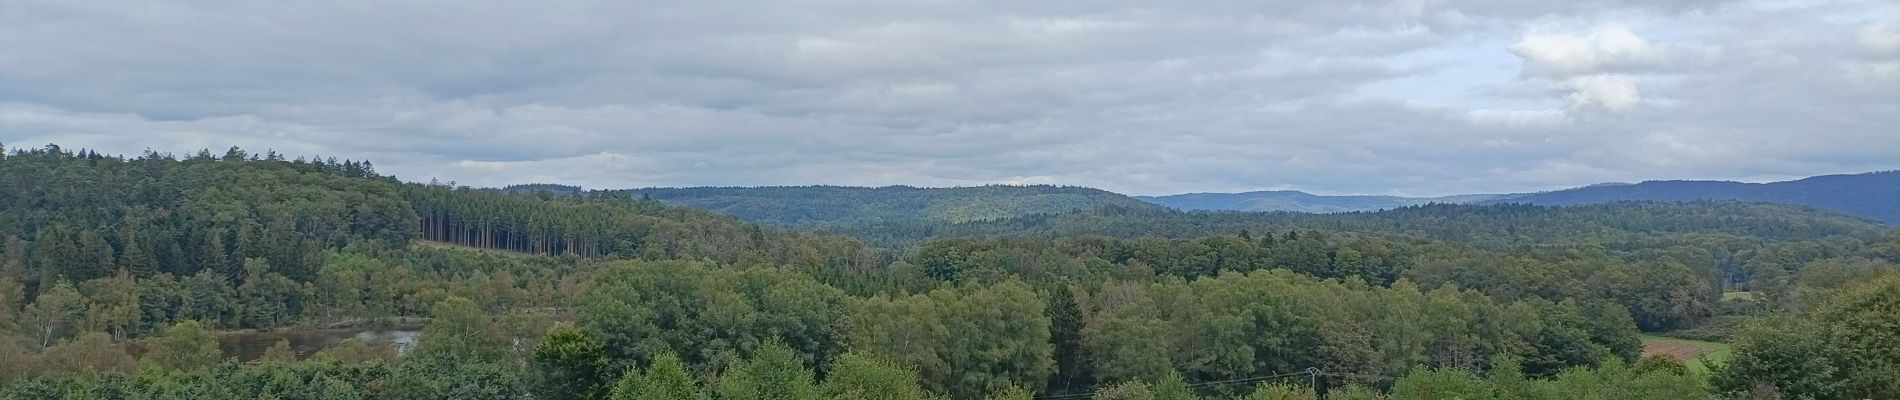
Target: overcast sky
column 1409, row 97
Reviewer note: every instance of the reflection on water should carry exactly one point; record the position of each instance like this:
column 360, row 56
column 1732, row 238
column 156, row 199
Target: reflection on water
column 250, row 346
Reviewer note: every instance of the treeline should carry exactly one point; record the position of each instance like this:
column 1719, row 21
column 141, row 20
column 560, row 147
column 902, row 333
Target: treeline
column 1664, row 289
column 713, row 325
column 604, row 223
column 1616, row 226
column 862, row 209
column 90, row 242
column 77, row 216
column 768, row 333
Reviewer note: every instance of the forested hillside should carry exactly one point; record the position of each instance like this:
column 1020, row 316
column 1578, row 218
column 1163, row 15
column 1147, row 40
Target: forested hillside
column 1874, row 195
column 121, row 277
column 1296, row 201
column 853, row 208
column 1617, row 225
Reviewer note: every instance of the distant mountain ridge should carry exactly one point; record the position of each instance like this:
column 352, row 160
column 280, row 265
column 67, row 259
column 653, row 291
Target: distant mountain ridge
column 1297, row 201
column 844, row 206
column 1873, row 195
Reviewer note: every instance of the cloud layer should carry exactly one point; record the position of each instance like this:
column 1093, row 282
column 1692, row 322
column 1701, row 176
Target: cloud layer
column 1418, row 97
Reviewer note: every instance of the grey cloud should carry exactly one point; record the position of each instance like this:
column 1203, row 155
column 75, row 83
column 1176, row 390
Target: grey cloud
column 1128, row 96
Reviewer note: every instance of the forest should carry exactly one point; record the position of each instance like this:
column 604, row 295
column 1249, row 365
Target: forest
column 120, row 277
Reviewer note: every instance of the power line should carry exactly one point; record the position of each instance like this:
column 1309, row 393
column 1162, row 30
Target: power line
column 1361, row 376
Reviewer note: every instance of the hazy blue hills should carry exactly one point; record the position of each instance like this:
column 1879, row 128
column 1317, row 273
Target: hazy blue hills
column 1297, row 201
column 1874, row 195
column 839, row 206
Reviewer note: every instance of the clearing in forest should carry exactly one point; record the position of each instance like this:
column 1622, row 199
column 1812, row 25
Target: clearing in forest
column 1699, row 356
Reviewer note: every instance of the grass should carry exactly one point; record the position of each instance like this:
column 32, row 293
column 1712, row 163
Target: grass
column 1747, row 296
column 1710, row 354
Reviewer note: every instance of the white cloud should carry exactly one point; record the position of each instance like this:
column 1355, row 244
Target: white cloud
column 1516, row 118
column 1603, row 92
column 1561, row 53
column 1882, row 37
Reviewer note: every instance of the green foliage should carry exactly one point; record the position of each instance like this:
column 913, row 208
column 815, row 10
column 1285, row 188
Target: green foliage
column 571, row 365
column 1172, row 387
column 1281, row 391
column 711, row 316
column 665, row 379
column 965, row 342
column 91, row 352
column 858, row 376
column 1611, row 381
column 869, row 212
column 56, row 314
column 279, row 352
column 446, row 379
column 1842, row 349
column 185, row 346
column 355, row 352
column 461, row 333
column 1238, row 326
column 992, row 291
column 1133, row 390
column 774, row 373
column 1011, row 393
column 1073, row 372
column 1429, row 383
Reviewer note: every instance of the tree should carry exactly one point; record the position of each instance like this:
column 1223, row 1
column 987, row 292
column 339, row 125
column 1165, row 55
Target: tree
column 460, row 333
column 571, row 365
column 208, row 298
column 665, row 379
column 712, row 316
column 1065, row 332
column 965, row 342
column 1281, row 391
column 185, row 346
column 1432, row 383
column 279, row 352
column 1133, row 390
column 56, row 314
column 267, row 299
column 115, row 303
column 1011, row 393
column 12, row 294
column 859, row 376
column 774, row 373
column 93, row 351
column 1842, row 349
column 353, row 351
column 1864, row 319
column 1172, row 387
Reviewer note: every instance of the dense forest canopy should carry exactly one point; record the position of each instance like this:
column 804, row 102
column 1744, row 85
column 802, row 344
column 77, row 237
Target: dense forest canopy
column 119, row 275
column 856, row 209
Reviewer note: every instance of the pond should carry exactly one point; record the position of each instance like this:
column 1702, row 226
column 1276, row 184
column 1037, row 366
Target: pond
column 250, row 346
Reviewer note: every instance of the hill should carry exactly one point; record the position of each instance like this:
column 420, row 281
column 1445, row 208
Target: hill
column 1297, row 201
column 1874, row 195
column 835, row 207
column 1620, row 225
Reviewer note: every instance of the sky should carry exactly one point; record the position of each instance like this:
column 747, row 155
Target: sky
column 1405, row 97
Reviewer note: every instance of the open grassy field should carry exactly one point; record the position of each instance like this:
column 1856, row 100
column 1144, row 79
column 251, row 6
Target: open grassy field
column 1726, row 296
column 1700, row 356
